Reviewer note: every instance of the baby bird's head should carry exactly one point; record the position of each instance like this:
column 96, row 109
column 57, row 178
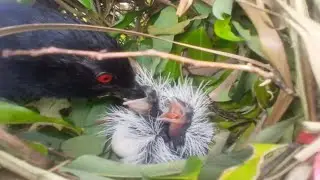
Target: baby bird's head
column 170, row 123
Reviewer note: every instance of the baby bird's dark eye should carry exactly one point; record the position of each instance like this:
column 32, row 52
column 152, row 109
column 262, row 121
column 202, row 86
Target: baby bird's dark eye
column 104, row 78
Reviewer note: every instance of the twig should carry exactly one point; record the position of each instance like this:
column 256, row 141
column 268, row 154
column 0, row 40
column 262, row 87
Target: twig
column 24, row 169
column 21, row 150
column 60, row 154
column 102, row 55
column 57, row 26
column 151, row 52
column 282, row 160
column 53, row 169
column 283, row 172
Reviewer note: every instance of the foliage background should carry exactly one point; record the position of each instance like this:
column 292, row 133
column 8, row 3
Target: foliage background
column 255, row 117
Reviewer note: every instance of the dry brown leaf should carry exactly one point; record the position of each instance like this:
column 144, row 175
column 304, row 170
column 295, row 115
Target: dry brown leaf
column 309, row 33
column 183, row 6
column 273, row 49
column 278, row 23
column 305, row 78
column 279, row 108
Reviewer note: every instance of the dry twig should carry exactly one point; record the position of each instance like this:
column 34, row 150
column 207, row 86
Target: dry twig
column 24, row 169
column 20, row 149
column 108, row 55
column 59, row 26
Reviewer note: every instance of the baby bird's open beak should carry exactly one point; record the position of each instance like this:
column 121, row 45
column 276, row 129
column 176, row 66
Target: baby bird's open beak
column 179, row 115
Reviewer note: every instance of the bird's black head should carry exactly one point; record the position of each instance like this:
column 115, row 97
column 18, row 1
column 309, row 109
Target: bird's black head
column 111, row 76
column 61, row 76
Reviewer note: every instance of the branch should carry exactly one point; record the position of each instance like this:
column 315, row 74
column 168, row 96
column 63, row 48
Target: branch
column 58, row 26
column 20, row 149
column 24, row 169
column 109, row 55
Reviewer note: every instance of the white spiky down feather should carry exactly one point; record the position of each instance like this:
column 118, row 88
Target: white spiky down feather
column 136, row 139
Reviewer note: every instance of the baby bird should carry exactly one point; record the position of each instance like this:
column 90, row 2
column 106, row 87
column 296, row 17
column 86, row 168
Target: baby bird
column 170, row 123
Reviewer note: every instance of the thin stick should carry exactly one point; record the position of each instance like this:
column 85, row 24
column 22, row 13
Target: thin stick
column 20, row 149
column 24, row 169
column 283, row 172
column 108, row 55
column 59, row 165
column 57, row 26
column 151, row 52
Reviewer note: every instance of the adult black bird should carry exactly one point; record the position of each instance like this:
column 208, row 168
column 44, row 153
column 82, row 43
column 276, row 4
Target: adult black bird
column 60, row 76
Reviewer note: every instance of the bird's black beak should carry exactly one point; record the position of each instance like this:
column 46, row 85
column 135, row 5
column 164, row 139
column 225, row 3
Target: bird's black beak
column 134, row 92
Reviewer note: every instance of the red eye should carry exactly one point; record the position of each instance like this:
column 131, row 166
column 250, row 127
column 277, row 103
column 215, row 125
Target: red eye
column 104, row 78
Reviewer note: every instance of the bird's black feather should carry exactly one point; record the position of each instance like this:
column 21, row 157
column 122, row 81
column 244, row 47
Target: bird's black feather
column 61, row 76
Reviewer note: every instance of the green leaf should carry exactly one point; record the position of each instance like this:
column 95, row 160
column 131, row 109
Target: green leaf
column 83, row 175
column 253, row 42
column 50, row 107
column 113, row 169
column 14, row 114
column 262, row 95
column 222, row 7
column 147, row 62
column 288, row 135
column 88, row 4
column 202, row 8
column 127, row 19
column 193, row 167
column 48, row 141
column 161, row 45
column 244, row 137
column 217, row 163
column 274, row 133
column 190, row 171
column 79, row 146
column 85, row 114
column 172, row 69
column 200, row 38
column 173, row 30
column 254, row 112
column 240, row 89
column 250, row 169
column 223, row 97
column 38, row 147
column 222, row 29
column 246, row 100
column 166, row 19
